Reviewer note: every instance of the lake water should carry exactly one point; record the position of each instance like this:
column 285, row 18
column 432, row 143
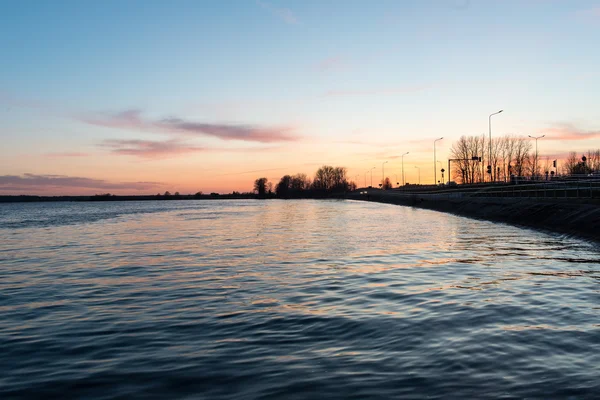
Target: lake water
column 291, row 300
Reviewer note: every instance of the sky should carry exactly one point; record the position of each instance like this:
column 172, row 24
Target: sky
column 141, row 97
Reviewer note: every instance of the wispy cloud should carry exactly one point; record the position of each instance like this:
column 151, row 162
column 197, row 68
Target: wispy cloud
column 590, row 13
column 149, row 148
column 330, row 64
column 66, row 155
column 132, row 119
column 568, row 131
column 33, row 182
column 128, row 119
column 374, row 92
column 230, row 132
column 284, row 14
column 157, row 149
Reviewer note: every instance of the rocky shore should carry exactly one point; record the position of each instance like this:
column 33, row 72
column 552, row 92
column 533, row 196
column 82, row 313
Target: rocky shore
column 574, row 217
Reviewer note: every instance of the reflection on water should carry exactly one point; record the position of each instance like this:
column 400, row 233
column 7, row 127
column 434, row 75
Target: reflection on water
column 291, row 299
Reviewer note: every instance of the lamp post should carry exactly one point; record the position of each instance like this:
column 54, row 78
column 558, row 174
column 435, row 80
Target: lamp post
column 434, row 162
column 536, row 153
column 366, row 178
column 419, row 174
column 383, row 174
column 490, row 153
column 372, row 176
column 403, row 167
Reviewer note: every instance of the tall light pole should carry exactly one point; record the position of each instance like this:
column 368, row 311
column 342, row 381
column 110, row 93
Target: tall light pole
column 419, row 174
column 383, row 174
column 366, row 178
column 372, row 176
column 490, row 153
column 403, row 167
column 536, row 153
column 434, row 162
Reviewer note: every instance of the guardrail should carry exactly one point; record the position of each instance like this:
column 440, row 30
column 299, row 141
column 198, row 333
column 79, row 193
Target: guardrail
column 567, row 189
column 582, row 189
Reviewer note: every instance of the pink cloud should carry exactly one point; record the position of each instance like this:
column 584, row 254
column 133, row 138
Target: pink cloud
column 590, row 13
column 567, row 131
column 156, row 149
column 33, row 183
column 132, row 119
column 72, row 154
column 332, row 63
column 230, row 132
column 149, row 148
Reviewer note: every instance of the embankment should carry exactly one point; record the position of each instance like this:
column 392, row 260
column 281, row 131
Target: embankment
column 574, row 217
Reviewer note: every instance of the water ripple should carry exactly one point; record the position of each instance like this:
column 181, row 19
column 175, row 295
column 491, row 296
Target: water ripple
column 291, row 299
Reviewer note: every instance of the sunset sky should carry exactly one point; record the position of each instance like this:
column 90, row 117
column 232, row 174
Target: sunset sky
column 140, row 97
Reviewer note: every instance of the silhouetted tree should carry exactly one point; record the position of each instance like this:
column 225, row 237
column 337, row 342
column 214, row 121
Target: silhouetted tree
column 283, row 187
column 260, row 186
column 582, row 167
column 593, row 160
column 510, row 155
column 299, row 183
column 329, row 179
column 387, row 184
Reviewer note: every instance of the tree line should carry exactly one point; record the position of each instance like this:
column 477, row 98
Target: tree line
column 510, row 156
column 327, row 180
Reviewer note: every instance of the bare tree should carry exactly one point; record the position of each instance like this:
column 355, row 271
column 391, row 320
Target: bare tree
column 569, row 165
column 300, row 182
column 510, row 155
column 329, row 178
column 593, row 160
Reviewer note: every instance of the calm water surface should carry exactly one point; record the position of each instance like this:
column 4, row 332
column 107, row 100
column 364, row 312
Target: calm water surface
column 290, row 299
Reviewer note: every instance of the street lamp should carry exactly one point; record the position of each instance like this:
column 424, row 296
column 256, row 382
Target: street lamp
column 536, row 153
column 383, row 174
column 366, row 178
column 372, row 176
column 419, row 174
column 490, row 153
column 403, row 167
column 434, row 162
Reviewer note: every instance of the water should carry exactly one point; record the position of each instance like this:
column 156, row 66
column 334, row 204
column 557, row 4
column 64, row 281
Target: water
column 290, row 299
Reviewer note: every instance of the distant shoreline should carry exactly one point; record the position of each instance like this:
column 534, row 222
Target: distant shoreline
column 572, row 217
column 43, row 199
column 214, row 196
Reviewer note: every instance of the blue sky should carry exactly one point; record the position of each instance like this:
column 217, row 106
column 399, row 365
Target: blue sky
column 391, row 75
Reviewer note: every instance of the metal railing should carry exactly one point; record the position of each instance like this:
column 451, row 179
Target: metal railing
column 564, row 189
column 578, row 189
